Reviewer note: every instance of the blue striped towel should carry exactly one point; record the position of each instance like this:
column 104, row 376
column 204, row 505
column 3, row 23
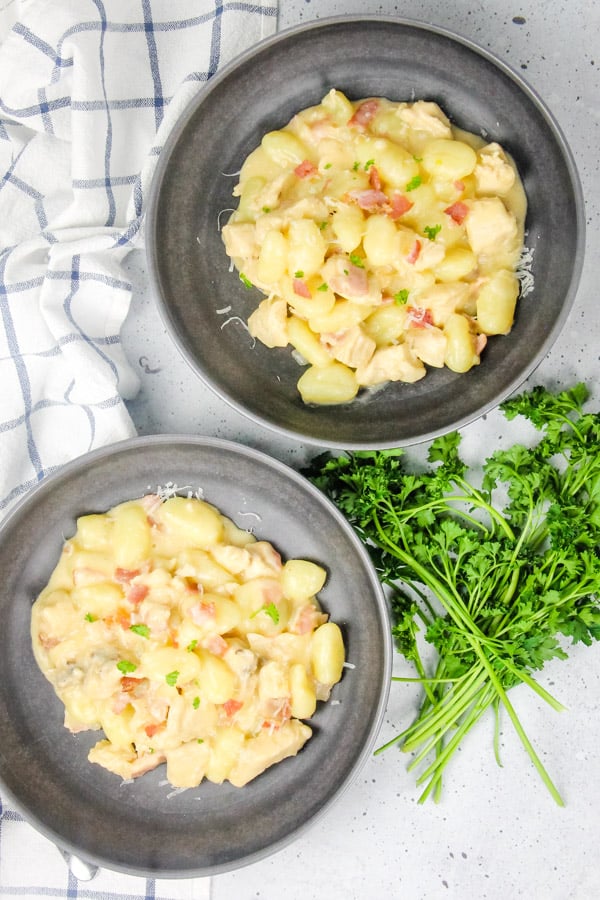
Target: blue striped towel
column 88, row 92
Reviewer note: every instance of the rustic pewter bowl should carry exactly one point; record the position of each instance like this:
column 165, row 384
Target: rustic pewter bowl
column 144, row 827
column 260, row 92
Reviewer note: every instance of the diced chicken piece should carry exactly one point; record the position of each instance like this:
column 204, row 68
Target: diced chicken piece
column 234, row 559
column 426, row 116
column 395, row 363
column 443, row 299
column 269, row 196
column 285, row 648
column 429, row 345
column 272, row 221
column 266, row 749
column 240, row 240
column 430, row 254
column 352, row 347
column 306, row 208
column 268, row 322
column 264, row 561
column 125, row 763
column 493, row 173
column 240, row 660
column 187, row 764
column 350, row 281
column 490, row 226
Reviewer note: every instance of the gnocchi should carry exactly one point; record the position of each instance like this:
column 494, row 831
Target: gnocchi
column 186, row 640
column 349, row 219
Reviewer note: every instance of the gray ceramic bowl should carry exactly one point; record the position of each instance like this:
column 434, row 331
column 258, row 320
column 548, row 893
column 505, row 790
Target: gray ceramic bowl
column 261, row 91
column 143, row 827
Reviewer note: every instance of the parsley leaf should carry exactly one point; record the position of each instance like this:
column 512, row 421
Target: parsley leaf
column 142, row 630
column 126, row 667
column 413, row 183
column 171, row 678
column 432, row 231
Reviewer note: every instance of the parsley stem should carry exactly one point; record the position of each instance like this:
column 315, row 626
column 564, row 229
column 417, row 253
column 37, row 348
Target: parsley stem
column 518, row 727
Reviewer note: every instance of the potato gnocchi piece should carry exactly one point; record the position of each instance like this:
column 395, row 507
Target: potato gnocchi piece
column 351, row 211
column 185, row 640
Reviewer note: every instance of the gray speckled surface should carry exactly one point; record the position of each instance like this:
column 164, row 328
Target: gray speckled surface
column 496, row 834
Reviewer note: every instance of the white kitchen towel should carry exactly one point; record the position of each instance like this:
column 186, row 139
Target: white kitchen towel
column 88, row 92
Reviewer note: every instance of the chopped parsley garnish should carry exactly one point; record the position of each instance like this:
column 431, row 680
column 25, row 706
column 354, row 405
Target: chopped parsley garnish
column 271, row 610
column 171, row 678
column 90, row 617
column 266, row 209
column 142, row 630
column 323, row 287
column 418, row 158
column 401, row 297
column 327, row 165
column 126, row 667
column 413, row 183
column 357, row 260
column 431, row 231
column 196, row 702
column 355, row 167
column 192, row 645
column 299, row 274
column 200, row 740
column 368, row 164
column 322, row 226
column 245, row 280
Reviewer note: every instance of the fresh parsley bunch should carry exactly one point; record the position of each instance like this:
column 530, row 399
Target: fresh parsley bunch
column 498, row 575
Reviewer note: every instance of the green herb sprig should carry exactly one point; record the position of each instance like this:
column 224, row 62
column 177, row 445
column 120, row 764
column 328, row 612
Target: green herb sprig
column 498, row 573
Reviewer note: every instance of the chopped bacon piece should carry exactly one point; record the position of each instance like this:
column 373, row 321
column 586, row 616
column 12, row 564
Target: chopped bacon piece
column 137, row 593
column 351, row 281
column 399, row 205
column 124, row 576
column 122, row 617
column 301, row 288
column 306, row 169
column 374, row 179
column 154, row 728
column 364, row 113
column 419, row 317
column 459, row 185
column 457, row 211
column 129, row 684
column 414, row 252
column 201, row 613
column 370, row 199
column 217, row 645
column 232, row 706
column 306, row 619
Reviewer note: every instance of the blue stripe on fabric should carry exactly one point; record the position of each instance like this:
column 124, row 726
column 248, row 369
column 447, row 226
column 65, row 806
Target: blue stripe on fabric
column 41, row 45
column 22, row 374
column 154, row 68
column 46, row 117
column 215, row 45
column 35, row 110
column 67, row 274
column 117, row 181
column 112, row 207
column 75, row 279
column 133, row 103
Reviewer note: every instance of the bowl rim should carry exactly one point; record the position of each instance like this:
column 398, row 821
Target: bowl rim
column 262, row 458
column 189, row 110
